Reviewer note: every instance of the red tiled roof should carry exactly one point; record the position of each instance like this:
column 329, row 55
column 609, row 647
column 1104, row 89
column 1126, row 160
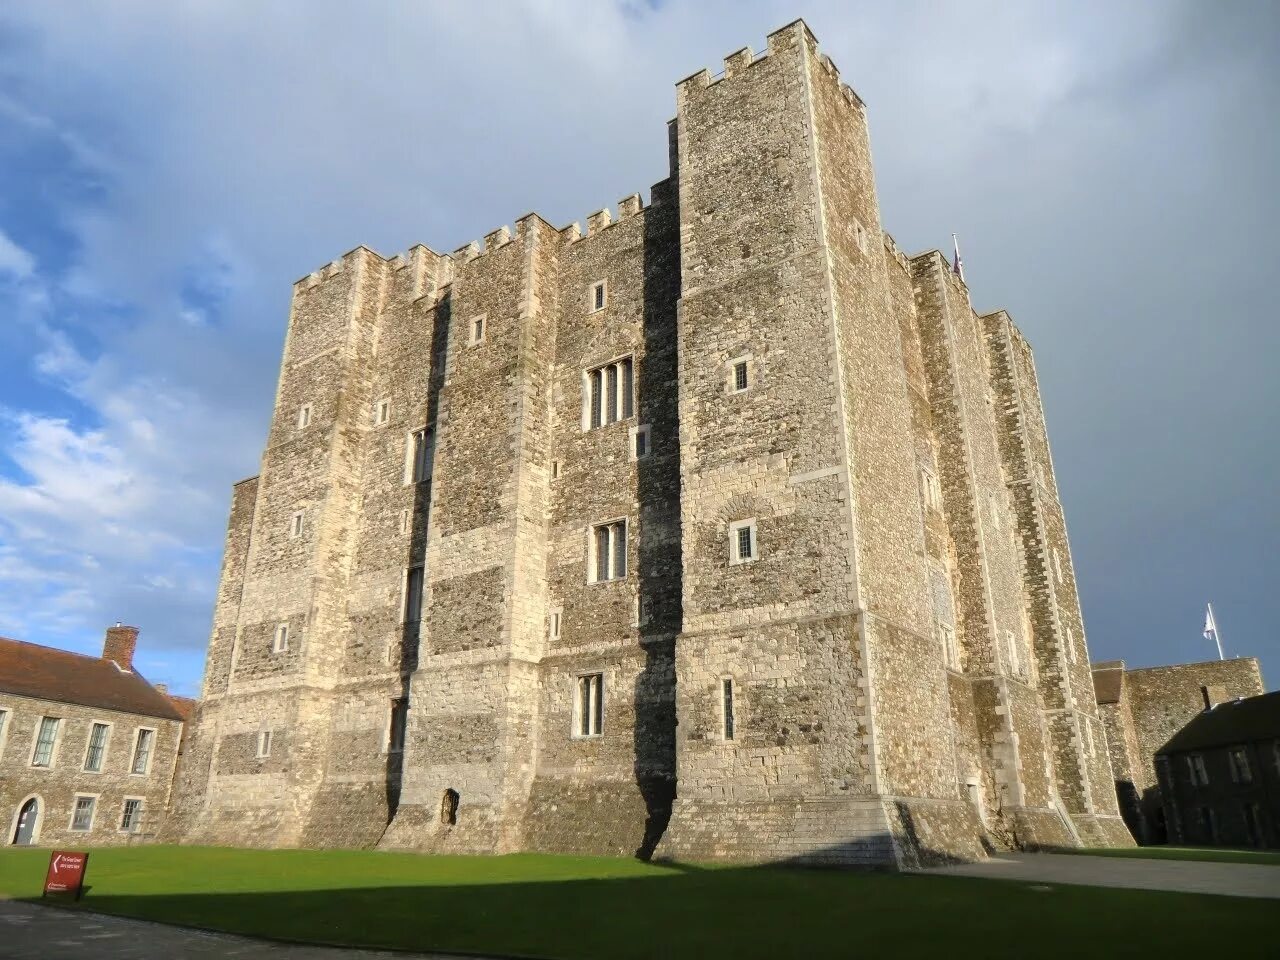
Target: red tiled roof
column 184, row 705
column 43, row 673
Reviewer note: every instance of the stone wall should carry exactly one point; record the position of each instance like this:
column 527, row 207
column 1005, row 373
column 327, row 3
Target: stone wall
column 56, row 786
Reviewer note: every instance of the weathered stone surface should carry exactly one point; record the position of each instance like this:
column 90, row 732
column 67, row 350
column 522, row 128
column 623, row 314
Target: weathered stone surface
column 856, row 738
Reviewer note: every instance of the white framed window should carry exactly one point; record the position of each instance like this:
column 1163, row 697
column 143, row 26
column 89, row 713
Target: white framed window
column 950, row 647
column 295, row 524
column 588, row 705
column 46, row 740
column 742, row 541
column 1014, row 647
column 304, row 416
column 82, row 812
column 142, row 750
column 264, row 744
column 597, row 296
column 413, row 594
column 420, row 454
column 931, row 489
column 398, row 724
column 607, row 551
column 4, row 730
column 609, row 393
column 131, row 815
column 280, row 640
column 1241, row 772
column 726, row 708
column 556, row 621
column 477, row 327
column 95, row 750
column 740, row 375
column 381, row 412
column 640, row 442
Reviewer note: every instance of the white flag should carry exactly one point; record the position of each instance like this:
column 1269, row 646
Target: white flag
column 1210, row 627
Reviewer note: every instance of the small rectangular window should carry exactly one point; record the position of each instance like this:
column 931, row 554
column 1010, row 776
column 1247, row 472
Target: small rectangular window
column 640, row 442
column 295, row 525
column 413, row 595
column 599, row 296
column 555, row 469
column 382, row 412
column 304, row 416
column 1240, row 769
column 142, row 751
column 932, row 491
column 726, row 707
column 476, row 329
column 404, row 521
column 280, row 643
column 556, row 617
column 1057, row 565
column 399, row 720
column 950, row 649
column 742, row 541
column 82, row 817
column 740, row 376
column 589, row 705
column 45, row 740
column 422, row 452
column 608, row 545
column 1069, row 641
column 96, row 751
column 264, row 744
column 131, row 817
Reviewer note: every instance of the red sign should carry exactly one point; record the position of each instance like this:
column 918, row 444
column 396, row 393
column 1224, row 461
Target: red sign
column 66, row 873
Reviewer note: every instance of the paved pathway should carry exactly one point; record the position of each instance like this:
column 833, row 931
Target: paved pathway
column 32, row 932
column 1185, row 876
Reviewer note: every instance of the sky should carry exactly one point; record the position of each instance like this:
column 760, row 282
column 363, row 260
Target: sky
column 168, row 169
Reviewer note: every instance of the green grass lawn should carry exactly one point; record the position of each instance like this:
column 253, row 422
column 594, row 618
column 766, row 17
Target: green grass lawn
column 1184, row 853
column 591, row 907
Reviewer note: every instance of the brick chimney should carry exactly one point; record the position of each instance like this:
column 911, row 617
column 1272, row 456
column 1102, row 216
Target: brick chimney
column 1214, row 695
column 119, row 645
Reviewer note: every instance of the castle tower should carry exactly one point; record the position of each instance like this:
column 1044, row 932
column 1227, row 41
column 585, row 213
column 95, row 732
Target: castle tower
column 720, row 527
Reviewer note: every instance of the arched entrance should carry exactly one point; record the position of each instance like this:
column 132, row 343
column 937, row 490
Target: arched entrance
column 25, row 833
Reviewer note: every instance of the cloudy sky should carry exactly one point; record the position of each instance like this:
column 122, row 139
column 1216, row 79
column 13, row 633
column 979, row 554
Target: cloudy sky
column 169, row 168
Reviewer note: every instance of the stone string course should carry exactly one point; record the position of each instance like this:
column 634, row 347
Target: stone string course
column 855, row 741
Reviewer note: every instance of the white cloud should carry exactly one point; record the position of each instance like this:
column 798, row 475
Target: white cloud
column 14, row 260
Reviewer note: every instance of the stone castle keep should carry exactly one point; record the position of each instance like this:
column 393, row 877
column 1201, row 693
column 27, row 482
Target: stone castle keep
column 721, row 529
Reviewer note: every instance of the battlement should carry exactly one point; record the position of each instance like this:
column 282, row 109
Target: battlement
column 740, row 61
column 629, row 206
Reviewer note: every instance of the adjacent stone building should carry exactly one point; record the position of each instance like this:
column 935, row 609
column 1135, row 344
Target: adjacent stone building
column 722, row 529
column 88, row 747
column 1220, row 775
column 1145, row 708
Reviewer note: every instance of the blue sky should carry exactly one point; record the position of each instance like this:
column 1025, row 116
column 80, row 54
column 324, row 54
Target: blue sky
column 170, row 168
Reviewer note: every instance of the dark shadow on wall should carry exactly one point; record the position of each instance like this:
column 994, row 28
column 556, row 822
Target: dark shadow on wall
column 685, row 911
column 419, row 517
column 658, row 493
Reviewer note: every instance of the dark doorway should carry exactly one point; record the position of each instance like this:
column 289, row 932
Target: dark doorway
column 27, row 817
column 449, row 807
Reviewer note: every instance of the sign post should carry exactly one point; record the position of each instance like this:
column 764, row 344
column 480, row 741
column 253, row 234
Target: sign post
column 66, row 873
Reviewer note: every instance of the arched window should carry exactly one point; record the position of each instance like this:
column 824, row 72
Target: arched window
column 449, row 807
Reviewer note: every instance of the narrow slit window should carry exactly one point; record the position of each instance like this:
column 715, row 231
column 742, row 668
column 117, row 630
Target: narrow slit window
column 413, row 595
column 611, row 393
column 628, row 387
column 589, row 705
column 264, row 744
column 304, row 416
column 950, row 650
column 280, row 643
column 399, row 721
column 556, row 618
column 599, row 296
column 422, row 452
column 476, row 332
column 382, row 412
column 640, row 442
column 726, row 709
column 295, row 525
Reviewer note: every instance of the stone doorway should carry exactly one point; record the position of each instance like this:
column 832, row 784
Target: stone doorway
column 25, row 833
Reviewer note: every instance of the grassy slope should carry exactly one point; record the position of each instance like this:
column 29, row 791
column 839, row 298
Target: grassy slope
column 580, row 907
column 1185, row 853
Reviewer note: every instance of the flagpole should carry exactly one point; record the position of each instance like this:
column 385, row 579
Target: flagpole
column 1217, row 637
